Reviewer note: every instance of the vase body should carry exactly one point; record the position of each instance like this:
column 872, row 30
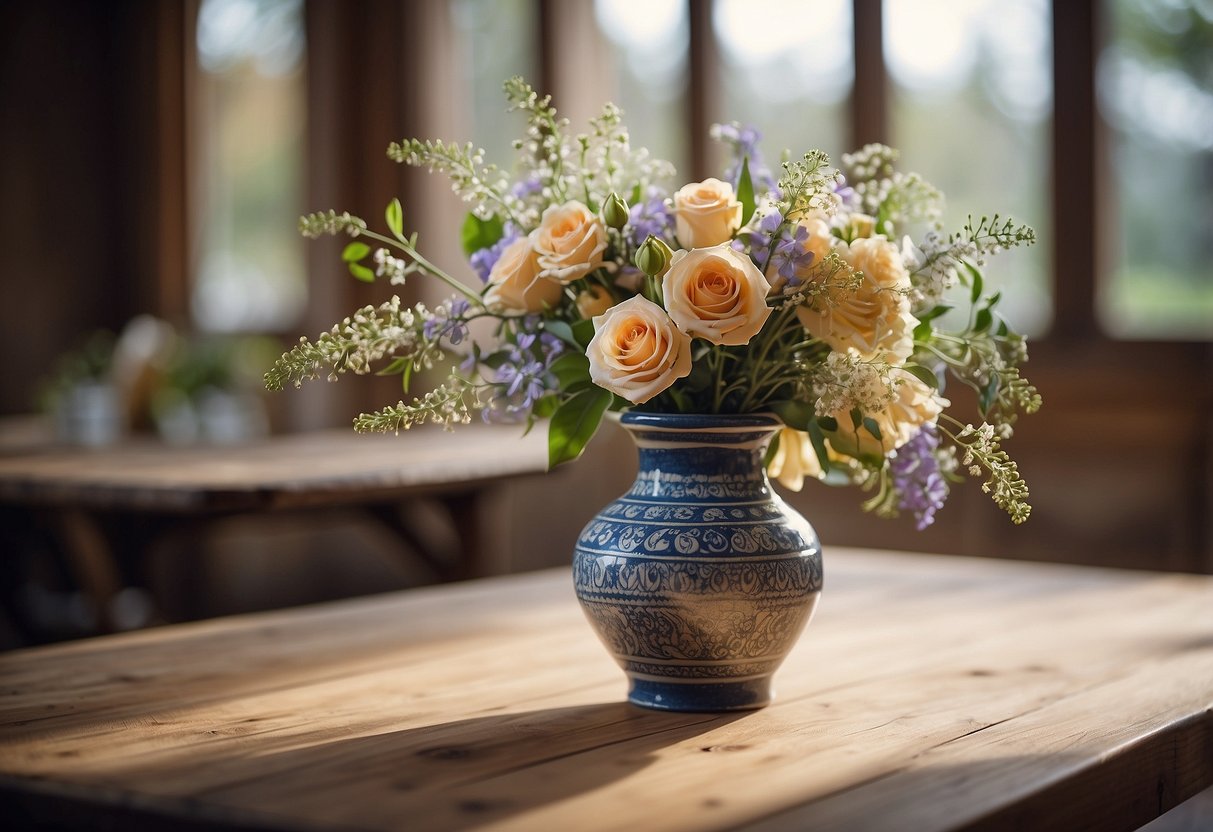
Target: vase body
column 700, row 578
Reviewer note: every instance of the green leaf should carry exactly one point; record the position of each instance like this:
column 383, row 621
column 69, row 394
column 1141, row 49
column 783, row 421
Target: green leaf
column 574, row 423
column 772, row 449
column 495, row 360
column 407, row 376
column 546, row 406
column 984, row 319
column 869, row 424
column 856, row 417
column 561, row 330
column 819, row 446
column 828, row 423
column 355, row 251
column 477, row 233
column 362, row 273
column 583, row 332
column 798, row 415
column 394, row 215
column 396, row 366
column 976, row 284
column 570, row 368
column 923, row 374
column 934, row 313
column 745, row 191
column 989, row 395
column 1003, row 329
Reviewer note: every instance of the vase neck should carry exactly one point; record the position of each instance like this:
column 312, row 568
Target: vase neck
column 698, row 459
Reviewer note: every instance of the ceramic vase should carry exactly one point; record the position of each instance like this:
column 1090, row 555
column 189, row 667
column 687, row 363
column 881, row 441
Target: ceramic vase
column 700, row 578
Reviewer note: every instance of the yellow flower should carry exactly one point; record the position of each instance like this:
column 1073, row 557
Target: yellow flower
column 716, row 293
column 915, row 405
column 874, row 319
column 794, row 459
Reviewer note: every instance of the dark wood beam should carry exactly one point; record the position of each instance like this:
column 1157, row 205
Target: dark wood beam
column 869, row 95
column 1075, row 250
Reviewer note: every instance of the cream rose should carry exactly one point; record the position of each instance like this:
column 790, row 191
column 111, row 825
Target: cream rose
column 706, row 213
column 874, row 319
column 794, row 460
column 515, row 284
column 570, row 242
column 636, row 351
column 716, row 293
column 915, row 405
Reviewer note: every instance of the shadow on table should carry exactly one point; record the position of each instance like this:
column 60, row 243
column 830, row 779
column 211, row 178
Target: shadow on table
column 446, row 776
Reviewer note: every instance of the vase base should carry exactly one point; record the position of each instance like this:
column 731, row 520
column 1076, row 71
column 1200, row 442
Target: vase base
column 707, row 697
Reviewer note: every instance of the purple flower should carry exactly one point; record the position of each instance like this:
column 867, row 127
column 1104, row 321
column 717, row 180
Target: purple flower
column 522, row 377
column 744, row 141
column 757, row 243
column 649, row 217
column 847, row 197
column 790, row 254
column 917, row 478
column 448, row 322
column 484, row 259
column 525, row 187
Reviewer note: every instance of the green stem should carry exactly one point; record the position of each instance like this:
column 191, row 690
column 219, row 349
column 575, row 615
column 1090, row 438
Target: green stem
column 426, row 265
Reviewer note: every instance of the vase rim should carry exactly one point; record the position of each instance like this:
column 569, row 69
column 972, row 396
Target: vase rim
column 698, row 421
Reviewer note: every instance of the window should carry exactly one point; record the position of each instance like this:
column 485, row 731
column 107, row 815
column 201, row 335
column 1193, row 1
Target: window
column 249, row 108
column 1156, row 94
column 971, row 98
column 791, row 81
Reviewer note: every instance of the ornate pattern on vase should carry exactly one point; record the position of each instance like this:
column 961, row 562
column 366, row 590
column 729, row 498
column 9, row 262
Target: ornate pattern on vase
column 699, row 576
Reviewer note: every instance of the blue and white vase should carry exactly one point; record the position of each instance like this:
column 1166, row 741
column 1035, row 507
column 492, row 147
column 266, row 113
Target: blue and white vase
column 700, row 578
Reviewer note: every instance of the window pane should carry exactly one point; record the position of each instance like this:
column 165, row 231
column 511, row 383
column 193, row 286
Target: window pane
column 495, row 40
column 250, row 110
column 1156, row 93
column 646, row 58
column 970, row 100
column 787, row 70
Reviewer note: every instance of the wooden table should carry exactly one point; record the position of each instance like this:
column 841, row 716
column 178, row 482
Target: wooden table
column 930, row 693
column 162, row 487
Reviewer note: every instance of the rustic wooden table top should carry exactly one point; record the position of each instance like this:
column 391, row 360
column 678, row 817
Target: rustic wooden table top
column 930, row 693
column 325, row 467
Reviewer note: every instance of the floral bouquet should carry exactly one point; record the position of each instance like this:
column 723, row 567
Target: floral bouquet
column 605, row 289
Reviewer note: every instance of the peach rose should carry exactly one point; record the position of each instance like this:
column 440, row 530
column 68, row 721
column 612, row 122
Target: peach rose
column 916, row 404
column 570, row 242
column 716, row 293
column 706, row 213
column 874, row 320
column 594, row 301
column 515, row 284
column 636, row 351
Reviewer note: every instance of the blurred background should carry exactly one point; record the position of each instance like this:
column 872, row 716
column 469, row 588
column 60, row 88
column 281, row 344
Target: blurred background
column 156, row 154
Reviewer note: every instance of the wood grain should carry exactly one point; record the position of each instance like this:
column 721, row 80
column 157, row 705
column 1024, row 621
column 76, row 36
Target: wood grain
column 929, row 694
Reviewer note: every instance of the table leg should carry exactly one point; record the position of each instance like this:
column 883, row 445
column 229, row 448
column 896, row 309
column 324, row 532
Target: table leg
column 92, row 562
